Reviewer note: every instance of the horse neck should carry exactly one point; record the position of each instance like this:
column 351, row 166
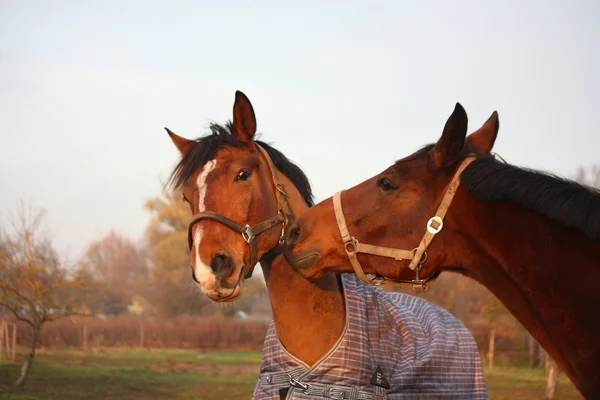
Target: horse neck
column 309, row 317
column 544, row 273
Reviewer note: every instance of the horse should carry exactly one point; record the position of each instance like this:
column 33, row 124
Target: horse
column 333, row 337
column 531, row 238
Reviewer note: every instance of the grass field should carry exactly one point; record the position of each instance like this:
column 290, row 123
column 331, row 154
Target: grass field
column 178, row 374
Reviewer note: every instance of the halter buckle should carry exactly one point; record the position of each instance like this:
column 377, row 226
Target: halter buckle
column 247, row 234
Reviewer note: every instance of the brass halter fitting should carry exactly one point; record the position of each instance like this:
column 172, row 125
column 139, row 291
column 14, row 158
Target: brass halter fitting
column 248, row 235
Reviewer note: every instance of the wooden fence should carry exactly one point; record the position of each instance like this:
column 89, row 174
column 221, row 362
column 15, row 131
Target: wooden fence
column 88, row 333
column 6, row 341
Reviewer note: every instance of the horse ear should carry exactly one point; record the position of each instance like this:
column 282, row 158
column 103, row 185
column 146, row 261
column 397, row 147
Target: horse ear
column 483, row 139
column 244, row 121
column 182, row 144
column 451, row 143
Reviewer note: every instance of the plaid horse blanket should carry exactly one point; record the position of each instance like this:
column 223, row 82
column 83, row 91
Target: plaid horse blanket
column 394, row 346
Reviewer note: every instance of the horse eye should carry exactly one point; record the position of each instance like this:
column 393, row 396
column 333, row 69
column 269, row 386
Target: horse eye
column 385, row 184
column 242, row 175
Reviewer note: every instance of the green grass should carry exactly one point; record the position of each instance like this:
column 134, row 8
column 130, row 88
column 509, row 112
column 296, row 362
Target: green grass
column 193, row 374
column 525, row 383
column 135, row 375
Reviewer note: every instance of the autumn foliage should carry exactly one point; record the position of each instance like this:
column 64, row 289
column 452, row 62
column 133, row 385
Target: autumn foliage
column 34, row 285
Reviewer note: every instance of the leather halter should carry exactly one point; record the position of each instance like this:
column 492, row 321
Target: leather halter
column 283, row 216
column 418, row 256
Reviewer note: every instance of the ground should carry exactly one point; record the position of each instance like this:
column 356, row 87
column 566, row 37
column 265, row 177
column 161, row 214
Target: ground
column 192, row 374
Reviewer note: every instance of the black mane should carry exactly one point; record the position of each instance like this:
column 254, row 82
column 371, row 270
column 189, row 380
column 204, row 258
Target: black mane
column 566, row 202
column 561, row 200
column 204, row 148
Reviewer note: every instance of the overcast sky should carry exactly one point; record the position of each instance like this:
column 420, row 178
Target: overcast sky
column 343, row 88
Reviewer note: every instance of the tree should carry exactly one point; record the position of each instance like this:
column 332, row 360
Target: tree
column 120, row 270
column 166, row 236
column 496, row 317
column 34, row 286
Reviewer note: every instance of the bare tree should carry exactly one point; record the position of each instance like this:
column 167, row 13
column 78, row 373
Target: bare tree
column 33, row 284
column 120, row 269
column 589, row 176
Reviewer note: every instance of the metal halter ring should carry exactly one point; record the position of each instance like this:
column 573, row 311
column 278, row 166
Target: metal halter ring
column 247, row 234
column 354, row 244
column 282, row 234
column 423, row 257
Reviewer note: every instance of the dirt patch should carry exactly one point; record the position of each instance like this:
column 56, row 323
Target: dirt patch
column 191, row 367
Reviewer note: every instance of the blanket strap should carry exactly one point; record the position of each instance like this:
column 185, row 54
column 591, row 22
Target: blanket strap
column 291, row 379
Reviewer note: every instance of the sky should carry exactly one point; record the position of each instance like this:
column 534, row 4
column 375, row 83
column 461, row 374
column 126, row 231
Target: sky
column 343, row 88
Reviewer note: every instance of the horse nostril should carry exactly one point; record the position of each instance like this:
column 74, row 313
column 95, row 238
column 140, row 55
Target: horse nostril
column 293, row 234
column 222, row 265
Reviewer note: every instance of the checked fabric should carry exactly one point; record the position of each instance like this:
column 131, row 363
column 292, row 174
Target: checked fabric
column 394, row 346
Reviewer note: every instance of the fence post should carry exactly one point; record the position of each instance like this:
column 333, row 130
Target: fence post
column 6, row 339
column 84, row 339
column 142, row 335
column 551, row 382
column 14, row 341
column 1, row 338
column 491, row 348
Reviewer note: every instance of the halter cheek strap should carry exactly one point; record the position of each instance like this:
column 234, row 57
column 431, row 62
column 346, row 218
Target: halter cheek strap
column 283, row 216
column 417, row 256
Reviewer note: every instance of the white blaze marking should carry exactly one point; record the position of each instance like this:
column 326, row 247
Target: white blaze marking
column 202, row 271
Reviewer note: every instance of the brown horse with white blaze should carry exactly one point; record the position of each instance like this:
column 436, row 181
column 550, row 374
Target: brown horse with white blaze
column 531, row 238
column 229, row 174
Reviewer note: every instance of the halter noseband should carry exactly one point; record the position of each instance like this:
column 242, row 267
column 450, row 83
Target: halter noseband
column 284, row 214
column 418, row 256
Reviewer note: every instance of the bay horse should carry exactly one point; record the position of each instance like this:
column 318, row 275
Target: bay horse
column 531, row 238
column 332, row 338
